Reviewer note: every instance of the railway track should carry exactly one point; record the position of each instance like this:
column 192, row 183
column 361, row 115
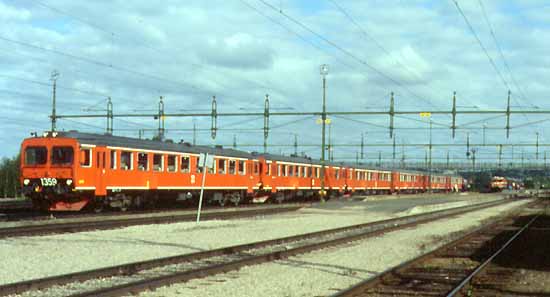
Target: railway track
column 111, row 223
column 448, row 270
column 147, row 275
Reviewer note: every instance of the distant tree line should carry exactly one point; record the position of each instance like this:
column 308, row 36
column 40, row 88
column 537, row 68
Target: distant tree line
column 9, row 177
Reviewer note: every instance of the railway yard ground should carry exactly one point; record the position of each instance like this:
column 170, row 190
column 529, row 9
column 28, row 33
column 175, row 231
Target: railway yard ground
column 321, row 272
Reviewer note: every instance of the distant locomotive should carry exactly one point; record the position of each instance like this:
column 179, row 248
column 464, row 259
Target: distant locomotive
column 73, row 170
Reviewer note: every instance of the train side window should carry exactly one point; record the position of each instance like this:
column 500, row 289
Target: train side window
column 278, row 170
column 185, row 164
column 158, row 162
column 126, row 160
column 283, row 170
column 143, row 161
column 337, row 173
column 242, row 168
column 198, row 166
column 232, row 165
column 85, row 157
column 290, row 170
column 268, row 171
column 172, row 163
column 256, row 168
column 306, row 171
column 112, row 156
column 316, row 172
column 221, row 166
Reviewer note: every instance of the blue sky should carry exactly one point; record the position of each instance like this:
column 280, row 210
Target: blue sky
column 136, row 51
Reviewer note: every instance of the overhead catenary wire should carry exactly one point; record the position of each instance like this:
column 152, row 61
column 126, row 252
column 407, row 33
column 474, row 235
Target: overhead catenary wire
column 364, row 32
column 484, row 49
column 143, row 43
column 499, row 48
column 346, row 52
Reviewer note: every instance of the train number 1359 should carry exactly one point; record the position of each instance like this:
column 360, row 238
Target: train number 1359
column 48, row 181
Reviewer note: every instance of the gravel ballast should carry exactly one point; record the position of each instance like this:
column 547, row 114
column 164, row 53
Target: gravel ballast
column 26, row 258
column 325, row 272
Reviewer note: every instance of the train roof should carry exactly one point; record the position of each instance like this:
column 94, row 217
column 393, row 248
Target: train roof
column 147, row 144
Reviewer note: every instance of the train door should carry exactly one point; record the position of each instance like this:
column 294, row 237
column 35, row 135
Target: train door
column 100, row 161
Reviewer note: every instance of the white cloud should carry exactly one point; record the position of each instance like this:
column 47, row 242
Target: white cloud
column 189, row 51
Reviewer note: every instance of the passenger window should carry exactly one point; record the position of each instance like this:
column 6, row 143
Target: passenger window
column 126, row 160
column 242, row 168
column 268, row 171
column 256, row 168
column 85, row 157
column 158, row 162
column 337, row 173
column 232, row 165
column 317, row 172
column 284, row 170
column 198, row 166
column 172, row 166
column 221, row 166
column 185, row 164
column 290, row 170
column 113, row 159
column 143, row 161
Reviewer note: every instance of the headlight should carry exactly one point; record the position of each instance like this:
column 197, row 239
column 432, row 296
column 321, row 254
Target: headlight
column 69, row 182
column 26, row 181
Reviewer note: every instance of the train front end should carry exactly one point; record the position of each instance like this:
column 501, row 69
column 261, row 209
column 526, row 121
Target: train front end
column 47, row 172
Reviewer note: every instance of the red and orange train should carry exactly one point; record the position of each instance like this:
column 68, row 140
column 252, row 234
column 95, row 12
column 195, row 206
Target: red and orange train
column 72, row 170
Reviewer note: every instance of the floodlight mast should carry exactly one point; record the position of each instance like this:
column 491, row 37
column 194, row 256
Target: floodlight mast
column 324, row 72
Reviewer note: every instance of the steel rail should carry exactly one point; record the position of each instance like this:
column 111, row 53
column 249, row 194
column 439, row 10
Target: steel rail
column 479, row 268
column 359, row 288
column 70, row 227
column 372, row 228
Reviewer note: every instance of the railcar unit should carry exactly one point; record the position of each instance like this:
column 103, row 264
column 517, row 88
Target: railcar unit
column 72, row 170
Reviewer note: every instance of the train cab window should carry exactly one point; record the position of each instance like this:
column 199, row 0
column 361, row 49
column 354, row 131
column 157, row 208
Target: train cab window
column 85, row 157
column 198, row 167
column 185, row 164
column 62, row 155
column 112, row 156
column 126, row 160
column 143, row 161
column 158, row 162
column 242, row 168
column 221, row 166
column 172, row 166
column 232, row 165
column 36, row 155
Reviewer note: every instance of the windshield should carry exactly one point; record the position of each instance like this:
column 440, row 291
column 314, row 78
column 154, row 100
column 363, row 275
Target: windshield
column 62, row 155
column 36, row 155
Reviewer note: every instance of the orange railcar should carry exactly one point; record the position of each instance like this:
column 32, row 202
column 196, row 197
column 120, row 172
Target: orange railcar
column 72, row 170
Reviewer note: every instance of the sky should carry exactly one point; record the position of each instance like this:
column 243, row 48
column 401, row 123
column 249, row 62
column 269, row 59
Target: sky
column 240, row 50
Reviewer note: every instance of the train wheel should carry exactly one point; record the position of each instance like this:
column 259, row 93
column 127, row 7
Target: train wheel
column 98, row 208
